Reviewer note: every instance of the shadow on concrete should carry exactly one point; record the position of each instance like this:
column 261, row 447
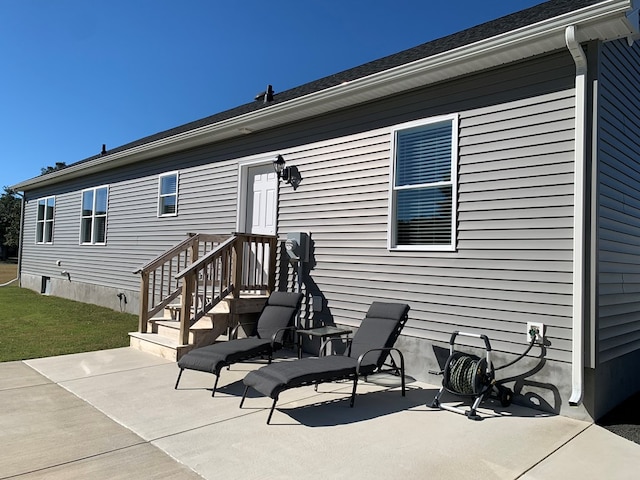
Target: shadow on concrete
column 491, row 408
column 624, row 420
column 336, row 411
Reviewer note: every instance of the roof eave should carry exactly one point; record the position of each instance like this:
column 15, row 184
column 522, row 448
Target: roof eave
column 607, row 20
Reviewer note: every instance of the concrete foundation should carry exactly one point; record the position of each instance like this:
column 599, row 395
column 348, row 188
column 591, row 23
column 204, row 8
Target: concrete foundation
column 128, row 302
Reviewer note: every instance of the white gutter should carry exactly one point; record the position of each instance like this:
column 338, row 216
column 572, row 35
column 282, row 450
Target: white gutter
column 579, row 233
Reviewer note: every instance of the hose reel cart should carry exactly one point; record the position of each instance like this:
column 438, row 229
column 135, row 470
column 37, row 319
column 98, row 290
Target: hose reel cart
column 471, row 376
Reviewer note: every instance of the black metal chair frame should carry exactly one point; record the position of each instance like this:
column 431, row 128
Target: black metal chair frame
column 360, row 370
column 268, row 349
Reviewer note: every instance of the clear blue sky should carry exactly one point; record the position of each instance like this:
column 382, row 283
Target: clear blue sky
column 79, row 73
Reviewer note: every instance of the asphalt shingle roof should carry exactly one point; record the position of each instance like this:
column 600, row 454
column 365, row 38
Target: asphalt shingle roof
column 530, row 16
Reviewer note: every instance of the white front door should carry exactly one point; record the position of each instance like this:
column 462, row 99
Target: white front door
column 262, row 204
column 261, row 218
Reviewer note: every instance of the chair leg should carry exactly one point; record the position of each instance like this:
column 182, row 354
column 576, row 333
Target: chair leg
column 353, row 393
column 215, row 385
column 244, row 395
column 403, row 381
column 273, row 406
column 178, row 380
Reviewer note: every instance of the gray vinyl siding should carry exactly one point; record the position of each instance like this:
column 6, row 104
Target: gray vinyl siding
column 513, row 262
column 619, row 200
column 515, row 204
column 135, row 234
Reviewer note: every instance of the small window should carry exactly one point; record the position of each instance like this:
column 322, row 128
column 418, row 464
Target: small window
column 45, row 285
column 423, row 185
column 168, row 195
column 93, row 228
column 44, row 222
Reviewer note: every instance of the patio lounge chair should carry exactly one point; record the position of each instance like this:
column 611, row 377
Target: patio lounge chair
column 366, row 354
column 276, row 318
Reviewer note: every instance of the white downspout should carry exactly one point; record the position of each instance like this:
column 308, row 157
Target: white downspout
column 579, row 234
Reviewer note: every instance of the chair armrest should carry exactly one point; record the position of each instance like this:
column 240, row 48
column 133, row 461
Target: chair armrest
column 328, row 340
column 235, row 329
column 387, row 349
column 273, row 337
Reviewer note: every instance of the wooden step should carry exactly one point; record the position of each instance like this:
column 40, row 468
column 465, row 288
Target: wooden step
column 204, row 332
column 172, row 310
column 156, row 345
column 163, row 340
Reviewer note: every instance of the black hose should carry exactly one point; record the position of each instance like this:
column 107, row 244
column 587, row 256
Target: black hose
column 462, row 372
column 521, row 356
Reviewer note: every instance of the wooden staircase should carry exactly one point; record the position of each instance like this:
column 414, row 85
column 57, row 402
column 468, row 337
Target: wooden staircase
column 164, row 338
column 232, row 278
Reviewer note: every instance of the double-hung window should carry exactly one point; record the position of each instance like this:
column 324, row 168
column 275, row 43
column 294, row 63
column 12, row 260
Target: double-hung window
column 168, row 195
column 93, row 228
column 44, row 221
column 423, row 185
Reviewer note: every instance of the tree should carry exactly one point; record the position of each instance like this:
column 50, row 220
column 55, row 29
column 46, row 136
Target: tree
column 10, row 206
column 59, row 166
column 9, row 221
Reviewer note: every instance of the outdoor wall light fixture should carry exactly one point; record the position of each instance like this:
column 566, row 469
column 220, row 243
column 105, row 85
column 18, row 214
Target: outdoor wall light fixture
column 290, row 175
column 284, row 172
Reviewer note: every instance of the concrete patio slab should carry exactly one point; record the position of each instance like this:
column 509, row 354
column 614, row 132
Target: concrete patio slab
column 136, row 462
column 312, row 435
column 44, row 427
column 145, row 399
column 91, row 364
column 18, row 374
column 596, row 453
column 383, row 436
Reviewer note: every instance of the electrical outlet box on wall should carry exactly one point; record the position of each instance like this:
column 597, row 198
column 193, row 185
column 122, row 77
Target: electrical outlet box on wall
column 537, row 327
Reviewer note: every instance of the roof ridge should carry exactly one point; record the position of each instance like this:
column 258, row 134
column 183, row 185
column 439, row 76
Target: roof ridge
column 537, row 13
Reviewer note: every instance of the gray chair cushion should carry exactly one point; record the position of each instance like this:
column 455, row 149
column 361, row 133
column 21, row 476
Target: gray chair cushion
column 213, row 358
column 380, row 328
column 281, row 376
column 272, row 319
column 279, row 312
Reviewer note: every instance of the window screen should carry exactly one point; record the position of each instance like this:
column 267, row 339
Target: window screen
column 423, row 203
column 168, row 195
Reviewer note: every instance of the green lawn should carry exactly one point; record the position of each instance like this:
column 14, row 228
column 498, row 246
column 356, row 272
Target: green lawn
column 34, row 325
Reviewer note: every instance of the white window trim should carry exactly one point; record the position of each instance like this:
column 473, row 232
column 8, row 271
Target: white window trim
column 160, row 196
column 391, row 227
column 93, row 215
column 44, row 220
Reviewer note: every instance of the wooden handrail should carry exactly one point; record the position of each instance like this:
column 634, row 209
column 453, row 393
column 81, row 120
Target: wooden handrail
column 243, row 262
column 206, row 259
column 181, row 247
column 158, row 285
column 224, row 271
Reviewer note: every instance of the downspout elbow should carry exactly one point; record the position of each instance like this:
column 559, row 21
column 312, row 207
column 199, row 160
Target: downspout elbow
column 579, row 233
column 579, row 57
